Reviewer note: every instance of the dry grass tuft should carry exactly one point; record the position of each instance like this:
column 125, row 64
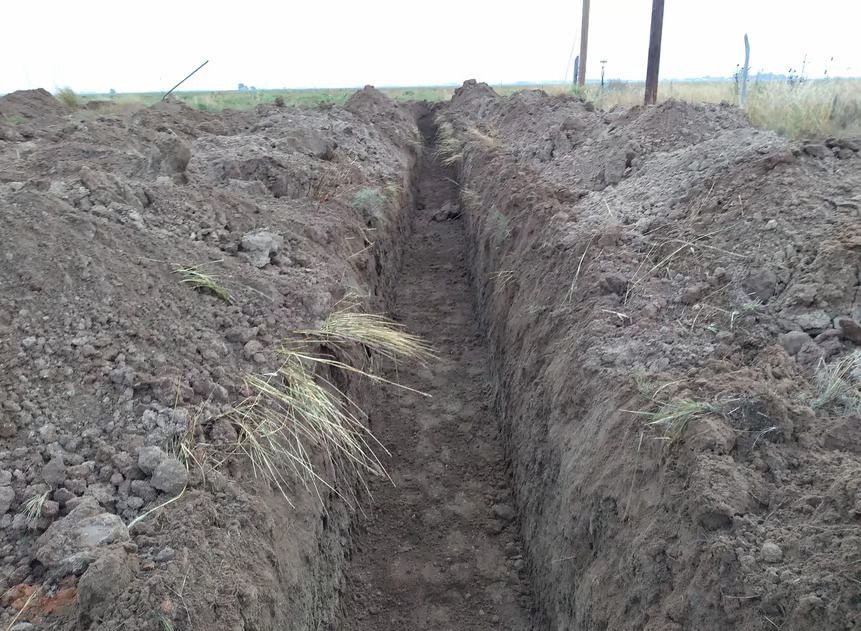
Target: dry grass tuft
column 68, row 98
column 296, row 412
column 203, row 282
column 672, row 419
column 32, row 509
column 449, row 148
column 378, row 333
column 835, row 393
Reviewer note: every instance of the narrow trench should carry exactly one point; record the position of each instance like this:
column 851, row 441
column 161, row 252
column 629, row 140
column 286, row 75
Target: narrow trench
column 439, row 548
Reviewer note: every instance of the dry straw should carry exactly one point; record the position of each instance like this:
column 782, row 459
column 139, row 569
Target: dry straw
column 295, row 413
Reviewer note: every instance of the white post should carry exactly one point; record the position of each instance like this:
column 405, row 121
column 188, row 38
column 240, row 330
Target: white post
column 742, row 95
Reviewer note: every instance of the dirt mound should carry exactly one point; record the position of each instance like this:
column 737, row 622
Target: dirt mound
column 25, row 112
column 111, row 359
column 671, row 266
column 31, row 105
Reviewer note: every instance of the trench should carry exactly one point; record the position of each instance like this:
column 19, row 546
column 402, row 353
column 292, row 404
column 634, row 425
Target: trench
column 438, row 549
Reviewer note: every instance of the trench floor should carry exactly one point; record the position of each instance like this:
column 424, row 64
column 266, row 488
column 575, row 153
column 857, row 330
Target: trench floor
column 438, row 550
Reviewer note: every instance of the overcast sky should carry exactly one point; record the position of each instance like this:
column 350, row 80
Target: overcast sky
column 96, row 45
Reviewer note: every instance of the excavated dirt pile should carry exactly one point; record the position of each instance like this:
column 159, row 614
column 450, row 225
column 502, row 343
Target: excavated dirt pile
column 110, row 362
column 672, row 302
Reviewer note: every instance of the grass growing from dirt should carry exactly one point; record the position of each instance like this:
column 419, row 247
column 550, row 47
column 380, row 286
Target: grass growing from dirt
column 449, row 148
column 203, row 282
column 32, row 509
column 296, row 411
column 813, row 108
column 68, row 97
column 672, row 419
column 835, row 393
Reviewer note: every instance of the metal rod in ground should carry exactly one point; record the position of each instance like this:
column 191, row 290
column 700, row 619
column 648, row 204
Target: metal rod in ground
column 654, row 52
column 191, row 74
column 584, row 43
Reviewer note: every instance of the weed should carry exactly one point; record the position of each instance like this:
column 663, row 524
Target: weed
column 672, row 418
column 835, row 393
column 488, row 141
column 294, row 411
column 165, row 623
column 203, row 282
column 449, row 148
column 32, row 509
column 503, row 227
column 368, row 201
column 501, row 280
column 68, row 97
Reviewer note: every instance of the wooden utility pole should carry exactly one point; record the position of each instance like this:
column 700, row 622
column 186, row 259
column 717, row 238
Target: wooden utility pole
column 654, row 51
column 576, row 70
column 584, row 43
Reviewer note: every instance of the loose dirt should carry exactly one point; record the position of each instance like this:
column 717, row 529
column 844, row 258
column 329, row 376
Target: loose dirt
column 439, row 549
column 580, row 273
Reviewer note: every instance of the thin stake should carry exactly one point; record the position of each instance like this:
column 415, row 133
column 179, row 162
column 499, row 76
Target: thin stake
column 167, row 94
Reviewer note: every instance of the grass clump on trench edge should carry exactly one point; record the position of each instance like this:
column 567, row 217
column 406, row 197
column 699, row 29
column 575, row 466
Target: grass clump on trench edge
column 834, row 392
column 197, row 279
column 295, row 412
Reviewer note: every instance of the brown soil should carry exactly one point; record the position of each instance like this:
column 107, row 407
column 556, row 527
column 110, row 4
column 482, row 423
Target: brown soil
column 630, row 259
column 439, row 549
column 579, row 273
column 104, row 351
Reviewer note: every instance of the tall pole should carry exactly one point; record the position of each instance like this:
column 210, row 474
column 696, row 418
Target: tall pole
column 584, row 43
column 654, row 51
column 576, row 70
column 742, row 97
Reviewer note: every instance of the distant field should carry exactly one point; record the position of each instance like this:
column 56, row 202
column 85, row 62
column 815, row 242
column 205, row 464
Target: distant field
column 814, row 108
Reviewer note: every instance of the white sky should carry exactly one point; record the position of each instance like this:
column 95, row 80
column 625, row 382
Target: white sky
column 95, row 45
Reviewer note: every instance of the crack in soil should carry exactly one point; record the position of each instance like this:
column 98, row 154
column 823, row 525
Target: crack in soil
column 439, row 550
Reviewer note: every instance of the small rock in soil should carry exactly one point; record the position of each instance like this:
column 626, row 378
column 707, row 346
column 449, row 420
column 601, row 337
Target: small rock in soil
column 63, row 495
column 771, row 552
column 104, row 579
column 794, row 340
column 143, row 490
column 7, row 429
column 149, row 458
column 816, row 150
column 816, row 321
column 849, row 328
column 761, row 284
column 810, row 355
column 170, row 476
column 164, row 555
column 7, row 496
column 447, row 212
column 259, row 246
column 71, row 544
column 55, row 471
column 504, row 511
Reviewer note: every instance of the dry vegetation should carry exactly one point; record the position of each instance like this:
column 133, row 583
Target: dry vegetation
column 801, row 109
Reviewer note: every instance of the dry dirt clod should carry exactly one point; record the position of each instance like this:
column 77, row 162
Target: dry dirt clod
column 69, row 545
column 170, row 476
column 771, row 552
